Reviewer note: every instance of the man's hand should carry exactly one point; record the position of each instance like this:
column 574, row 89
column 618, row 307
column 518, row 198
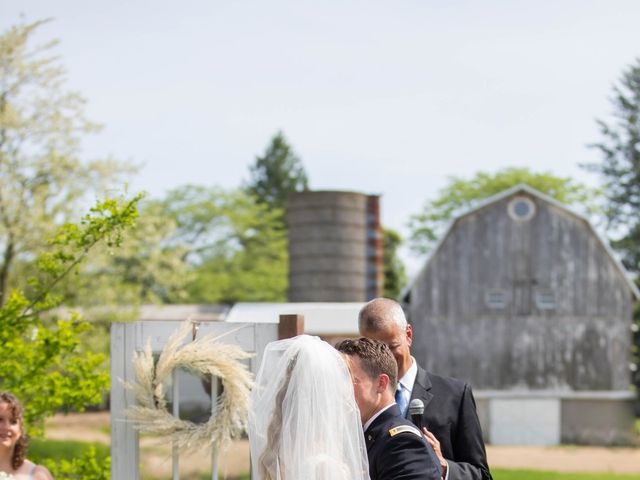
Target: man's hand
column 435, row 444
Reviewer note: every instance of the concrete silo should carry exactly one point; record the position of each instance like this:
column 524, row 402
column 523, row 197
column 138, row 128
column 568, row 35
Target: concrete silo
column 335, row 247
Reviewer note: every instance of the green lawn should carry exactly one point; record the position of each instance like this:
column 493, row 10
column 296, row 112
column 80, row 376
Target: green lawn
column 63, row 449
column 499, row 474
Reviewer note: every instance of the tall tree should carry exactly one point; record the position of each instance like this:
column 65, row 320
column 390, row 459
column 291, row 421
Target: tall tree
column 196, row 244
column 620, row 167
column 395, row 276
column 277, row 173
column 42, row 360
column 150, row 267
column 461, row 194
column 234, row 246
column 43, row 179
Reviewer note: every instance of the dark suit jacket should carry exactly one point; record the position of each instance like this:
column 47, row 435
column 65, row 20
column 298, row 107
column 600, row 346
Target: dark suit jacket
column 450, row 413
column 399, row 456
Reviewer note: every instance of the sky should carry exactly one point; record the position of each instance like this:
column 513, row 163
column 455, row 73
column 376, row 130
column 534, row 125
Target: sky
column 389, row 98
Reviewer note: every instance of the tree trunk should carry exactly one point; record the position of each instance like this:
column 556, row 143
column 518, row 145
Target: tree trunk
column 4, row 271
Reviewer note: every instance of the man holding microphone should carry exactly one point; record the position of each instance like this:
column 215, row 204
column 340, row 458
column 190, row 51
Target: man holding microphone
column 449, row 422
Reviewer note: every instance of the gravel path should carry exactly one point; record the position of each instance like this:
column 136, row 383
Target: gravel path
column 566, row 458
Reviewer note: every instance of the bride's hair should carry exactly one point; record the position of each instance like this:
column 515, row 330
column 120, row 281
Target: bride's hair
column 270, row 457
column 20, row 450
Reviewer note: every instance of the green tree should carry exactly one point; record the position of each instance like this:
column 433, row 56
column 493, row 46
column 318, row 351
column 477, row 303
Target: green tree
column 196, row 244
column 88, row 465
column 620, row 169
column 149, row 268
column 461, row 194
column 234, row 246
column 42, row 362
column 395, row 276
column 276, row 174
column 43, row 180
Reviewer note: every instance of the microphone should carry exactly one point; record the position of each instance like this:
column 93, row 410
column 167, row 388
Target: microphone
column 416, row 409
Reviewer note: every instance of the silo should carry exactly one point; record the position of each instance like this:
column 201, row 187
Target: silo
column 335, row 247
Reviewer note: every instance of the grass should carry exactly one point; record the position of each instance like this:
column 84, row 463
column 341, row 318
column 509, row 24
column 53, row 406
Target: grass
column 500, row 474
column 57, row 450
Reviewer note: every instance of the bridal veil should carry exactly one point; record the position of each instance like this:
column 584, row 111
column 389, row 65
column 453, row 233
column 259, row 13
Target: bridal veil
column 303, row 420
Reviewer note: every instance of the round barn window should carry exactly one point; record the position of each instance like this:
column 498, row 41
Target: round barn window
column 522, row 208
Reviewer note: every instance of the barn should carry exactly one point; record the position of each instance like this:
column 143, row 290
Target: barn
column 524, row 300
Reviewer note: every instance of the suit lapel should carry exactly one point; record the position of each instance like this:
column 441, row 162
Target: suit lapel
column 421, row 387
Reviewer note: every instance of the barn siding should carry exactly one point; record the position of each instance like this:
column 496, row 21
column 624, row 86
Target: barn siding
column 581, row 344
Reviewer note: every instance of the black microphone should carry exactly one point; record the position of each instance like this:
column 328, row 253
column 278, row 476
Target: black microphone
column 416, row 409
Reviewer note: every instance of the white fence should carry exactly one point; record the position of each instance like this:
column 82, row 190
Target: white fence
column 127, row 338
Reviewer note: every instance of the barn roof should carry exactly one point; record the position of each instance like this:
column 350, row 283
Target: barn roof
column 535, row 193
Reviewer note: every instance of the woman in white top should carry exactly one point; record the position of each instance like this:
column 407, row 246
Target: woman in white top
column 13, row 443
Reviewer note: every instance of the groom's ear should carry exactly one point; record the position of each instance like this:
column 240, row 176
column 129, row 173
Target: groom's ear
column 383, row 382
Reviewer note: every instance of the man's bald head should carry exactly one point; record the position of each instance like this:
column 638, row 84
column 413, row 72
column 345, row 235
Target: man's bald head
column 379, row 313
column 383, row 319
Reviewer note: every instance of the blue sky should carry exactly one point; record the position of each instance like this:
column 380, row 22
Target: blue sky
column 375, row 96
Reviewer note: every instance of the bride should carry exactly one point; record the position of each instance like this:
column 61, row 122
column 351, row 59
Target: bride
column 303, row 420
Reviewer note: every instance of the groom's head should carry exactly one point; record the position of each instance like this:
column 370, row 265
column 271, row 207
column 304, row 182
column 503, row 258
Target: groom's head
column 374, row 373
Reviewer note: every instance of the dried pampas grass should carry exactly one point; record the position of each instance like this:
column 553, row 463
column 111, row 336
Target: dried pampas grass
column 203, row 356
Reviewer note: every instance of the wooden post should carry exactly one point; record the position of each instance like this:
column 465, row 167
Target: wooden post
column 290, row 326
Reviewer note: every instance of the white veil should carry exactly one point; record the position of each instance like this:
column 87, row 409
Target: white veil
column 303, row 419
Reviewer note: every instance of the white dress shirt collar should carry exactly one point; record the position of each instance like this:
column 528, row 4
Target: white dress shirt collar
column 409, row 378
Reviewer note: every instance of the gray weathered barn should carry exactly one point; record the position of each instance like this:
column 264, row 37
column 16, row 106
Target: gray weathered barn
column 523, row 299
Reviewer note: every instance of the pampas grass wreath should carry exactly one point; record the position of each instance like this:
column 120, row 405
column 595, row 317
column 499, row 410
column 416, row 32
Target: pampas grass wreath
column 203, row 356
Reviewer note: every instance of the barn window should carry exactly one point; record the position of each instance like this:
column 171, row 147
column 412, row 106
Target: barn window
column 545, row 300
column 521, row 208
column 495, row 298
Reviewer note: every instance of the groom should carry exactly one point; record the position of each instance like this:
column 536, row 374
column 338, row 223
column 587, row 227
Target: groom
column 395, row 448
